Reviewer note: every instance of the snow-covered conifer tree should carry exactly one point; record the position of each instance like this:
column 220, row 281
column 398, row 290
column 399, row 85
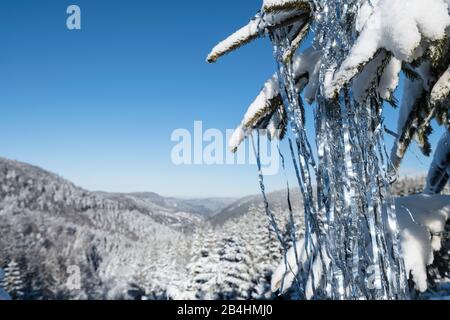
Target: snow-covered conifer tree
column 264, row 250
column 359, row 50
column 12, row 281
column 233, row 277
column 161, row 274
column 203, row 266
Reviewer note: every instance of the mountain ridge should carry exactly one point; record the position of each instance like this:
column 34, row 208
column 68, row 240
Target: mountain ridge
column 166, row 210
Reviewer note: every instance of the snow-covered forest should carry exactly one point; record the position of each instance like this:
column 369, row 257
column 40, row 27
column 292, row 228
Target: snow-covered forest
column 351, row 228
column 125, row 250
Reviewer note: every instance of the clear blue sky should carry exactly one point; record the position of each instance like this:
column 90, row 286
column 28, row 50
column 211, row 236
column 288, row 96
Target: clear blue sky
column 98, row 106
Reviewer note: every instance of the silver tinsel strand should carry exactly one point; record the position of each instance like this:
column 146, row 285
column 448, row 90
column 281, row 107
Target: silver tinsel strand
column 350, row 226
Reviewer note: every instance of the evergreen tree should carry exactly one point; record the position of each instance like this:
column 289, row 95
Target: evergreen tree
column 233, row 278
column 264, row 250
column 160, row 275
column 13, row 282
column 202, row 266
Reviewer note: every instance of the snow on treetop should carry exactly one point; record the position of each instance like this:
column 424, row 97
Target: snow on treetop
column 274, row 13
column 442, row 88
column 274, row 5
column 398, row 26
column 271, row 3
column 254, row 29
